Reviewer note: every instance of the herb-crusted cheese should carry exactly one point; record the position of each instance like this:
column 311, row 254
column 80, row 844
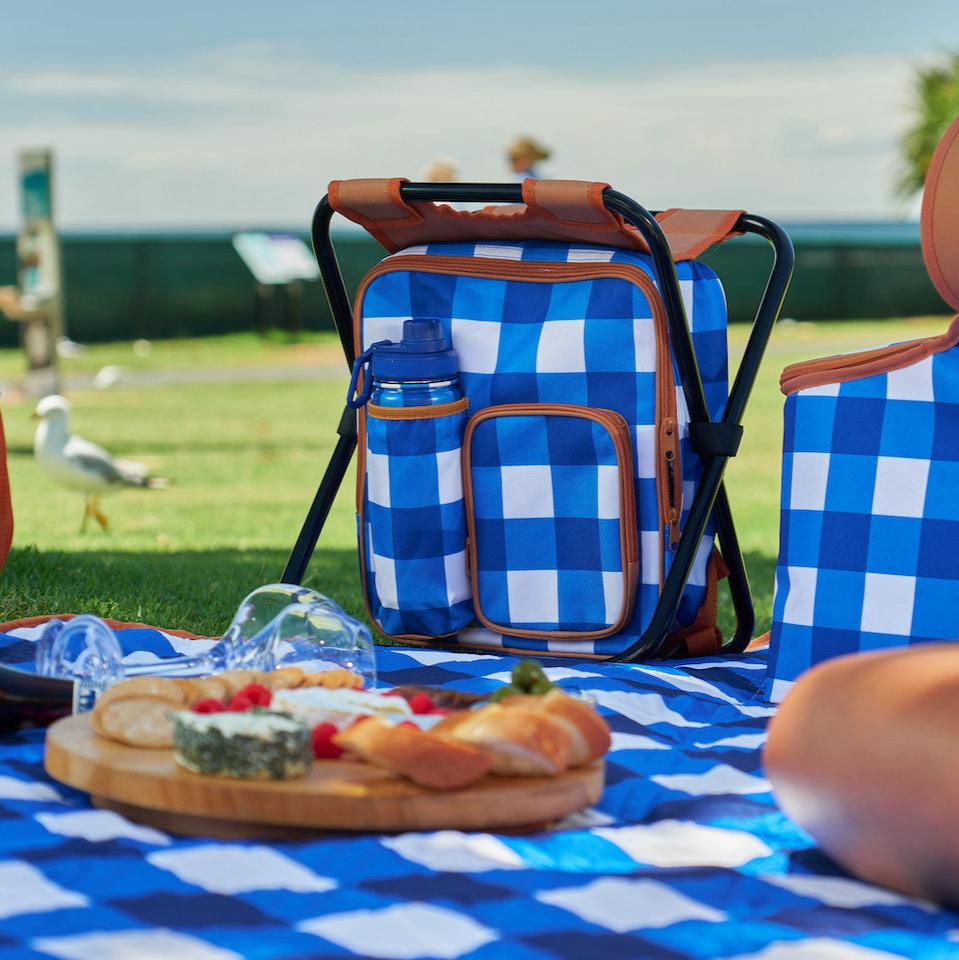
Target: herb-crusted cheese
column 256, row 745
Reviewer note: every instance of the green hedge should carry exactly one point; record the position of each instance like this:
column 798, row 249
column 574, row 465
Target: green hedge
column 163, row 285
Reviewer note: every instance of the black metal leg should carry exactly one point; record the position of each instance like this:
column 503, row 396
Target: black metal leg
column 738, row 579
column 323, row 501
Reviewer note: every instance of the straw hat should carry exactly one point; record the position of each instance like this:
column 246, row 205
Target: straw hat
column 527, row 148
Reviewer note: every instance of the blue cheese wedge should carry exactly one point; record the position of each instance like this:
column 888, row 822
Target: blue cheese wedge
column 341, row 707
column 256, row 745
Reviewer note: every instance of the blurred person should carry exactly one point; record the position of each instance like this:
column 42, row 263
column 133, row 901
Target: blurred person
column 441, row 170
column 523, row 154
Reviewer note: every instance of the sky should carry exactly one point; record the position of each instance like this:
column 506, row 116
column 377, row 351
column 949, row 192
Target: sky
column 237, row 114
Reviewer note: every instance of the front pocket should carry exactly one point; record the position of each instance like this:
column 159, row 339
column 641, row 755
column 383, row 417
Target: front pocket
column 551, row 514
column 413, row 525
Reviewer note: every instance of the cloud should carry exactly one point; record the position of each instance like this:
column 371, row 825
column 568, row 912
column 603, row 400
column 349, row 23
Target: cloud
column 251, row 134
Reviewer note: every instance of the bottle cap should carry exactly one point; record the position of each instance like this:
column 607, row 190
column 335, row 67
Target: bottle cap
column 424, row 353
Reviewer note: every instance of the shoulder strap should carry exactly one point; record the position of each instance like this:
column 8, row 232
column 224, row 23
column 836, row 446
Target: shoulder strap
column 561, row 210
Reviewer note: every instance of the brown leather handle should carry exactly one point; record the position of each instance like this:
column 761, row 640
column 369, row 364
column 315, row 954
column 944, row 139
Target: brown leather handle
column 560, row 210
column 940, row 217
column 862, row 755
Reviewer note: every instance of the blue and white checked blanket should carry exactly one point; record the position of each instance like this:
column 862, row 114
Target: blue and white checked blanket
column 686, row 856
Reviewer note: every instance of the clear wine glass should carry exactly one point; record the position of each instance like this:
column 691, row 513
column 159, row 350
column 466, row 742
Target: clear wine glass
column 276, row 625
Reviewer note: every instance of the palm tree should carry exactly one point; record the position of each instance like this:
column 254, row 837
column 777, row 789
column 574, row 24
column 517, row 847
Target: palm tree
column 936, row 105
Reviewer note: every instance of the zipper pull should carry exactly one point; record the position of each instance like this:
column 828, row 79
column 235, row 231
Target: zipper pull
column 673, row 529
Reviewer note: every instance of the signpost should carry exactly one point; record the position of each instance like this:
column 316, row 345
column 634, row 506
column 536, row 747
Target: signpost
column 37, row 302
column 277, row 260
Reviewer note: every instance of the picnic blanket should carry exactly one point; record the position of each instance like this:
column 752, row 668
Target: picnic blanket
column 686, row 856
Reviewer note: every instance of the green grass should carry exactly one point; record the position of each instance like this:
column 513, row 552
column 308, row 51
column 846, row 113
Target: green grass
column 244, row 460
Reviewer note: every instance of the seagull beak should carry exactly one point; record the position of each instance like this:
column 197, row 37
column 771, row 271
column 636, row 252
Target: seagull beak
column 34, row 415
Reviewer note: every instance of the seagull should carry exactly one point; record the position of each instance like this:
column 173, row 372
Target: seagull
column 79, row 464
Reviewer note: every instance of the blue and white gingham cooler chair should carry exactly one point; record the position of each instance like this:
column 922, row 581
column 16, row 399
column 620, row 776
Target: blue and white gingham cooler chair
column 569, row 506
column 869, row 536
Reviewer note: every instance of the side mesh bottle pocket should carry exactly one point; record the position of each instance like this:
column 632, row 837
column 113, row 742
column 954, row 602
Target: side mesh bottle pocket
column 413, row 523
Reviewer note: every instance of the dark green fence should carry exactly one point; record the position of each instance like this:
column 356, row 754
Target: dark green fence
column 163, row 285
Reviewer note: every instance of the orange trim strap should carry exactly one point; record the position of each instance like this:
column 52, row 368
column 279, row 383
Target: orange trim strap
column 378, row 412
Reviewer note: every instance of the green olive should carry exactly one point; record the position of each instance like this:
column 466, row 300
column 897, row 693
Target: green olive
column 502, row 693
column 526, row 673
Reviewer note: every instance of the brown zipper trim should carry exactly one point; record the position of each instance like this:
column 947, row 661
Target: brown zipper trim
column 855, row 366
column 424, row 412
column 618, row 429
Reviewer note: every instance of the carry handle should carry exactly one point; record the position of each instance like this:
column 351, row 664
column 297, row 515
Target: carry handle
column 558, row 210
column 353, row 401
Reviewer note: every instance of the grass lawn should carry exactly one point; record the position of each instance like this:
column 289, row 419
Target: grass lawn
column 244, row 459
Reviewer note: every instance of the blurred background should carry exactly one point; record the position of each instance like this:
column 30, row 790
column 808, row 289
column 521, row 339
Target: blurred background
column 171, row 128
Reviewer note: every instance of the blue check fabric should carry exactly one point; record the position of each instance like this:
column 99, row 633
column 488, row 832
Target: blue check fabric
column 869, row 534
column 686, row 857
column 416, row 525
column 547, row 515
column 587, row 342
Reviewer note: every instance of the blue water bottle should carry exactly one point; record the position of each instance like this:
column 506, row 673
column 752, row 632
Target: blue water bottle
column 421, row 370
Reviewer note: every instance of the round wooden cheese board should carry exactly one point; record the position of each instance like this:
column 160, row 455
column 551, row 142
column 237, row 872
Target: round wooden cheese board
column 149, row 787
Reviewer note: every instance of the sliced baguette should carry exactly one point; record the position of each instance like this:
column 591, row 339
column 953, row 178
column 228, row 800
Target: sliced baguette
column 588, row 732
column 520, row 741
column 424, row 758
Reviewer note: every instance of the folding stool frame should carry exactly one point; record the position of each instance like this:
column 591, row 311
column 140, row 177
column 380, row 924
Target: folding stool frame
column 715, row 442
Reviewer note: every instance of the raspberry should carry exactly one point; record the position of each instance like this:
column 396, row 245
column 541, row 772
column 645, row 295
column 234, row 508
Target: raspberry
column 322, row 739
column 257, row 694
column 240, row 704
column 440, row 712
column 421, row 703
column 408, row 723
column 209, row 705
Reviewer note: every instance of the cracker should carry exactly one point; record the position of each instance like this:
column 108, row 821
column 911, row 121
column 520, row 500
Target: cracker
column 236, row 680
column 286, row 678
column 208, row 688
column 333, row 680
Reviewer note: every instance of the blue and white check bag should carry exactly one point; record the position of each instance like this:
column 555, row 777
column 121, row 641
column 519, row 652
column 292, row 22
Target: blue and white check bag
column 578, row 469
column 869, row 537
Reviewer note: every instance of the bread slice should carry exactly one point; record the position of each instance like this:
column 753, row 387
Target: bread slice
column 520, row 741
column 135, row 721
column 161, row 688
column 425, row 759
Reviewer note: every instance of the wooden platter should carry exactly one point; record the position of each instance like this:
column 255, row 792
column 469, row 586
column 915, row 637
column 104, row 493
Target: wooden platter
column 149, row 787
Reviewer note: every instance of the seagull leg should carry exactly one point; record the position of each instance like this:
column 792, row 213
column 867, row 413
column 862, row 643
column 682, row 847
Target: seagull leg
column 98, row 514
column 86, row 514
